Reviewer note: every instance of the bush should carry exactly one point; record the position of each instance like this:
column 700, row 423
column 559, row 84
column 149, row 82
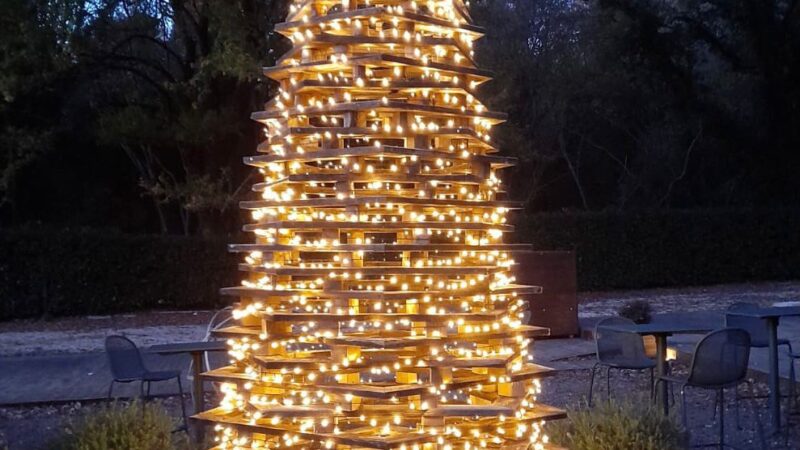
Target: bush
column 75, row 272
column 638, row 311
column 124, row 428
column 619, row 426
column 671, row 248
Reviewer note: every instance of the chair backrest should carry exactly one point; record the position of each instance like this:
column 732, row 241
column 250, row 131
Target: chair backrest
column 124, row 358
column 720, row 358
column 617, row 346
column 757, row 328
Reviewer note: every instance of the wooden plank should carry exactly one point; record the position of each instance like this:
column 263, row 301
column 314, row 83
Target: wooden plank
column 395, row 177
column 375, row 270
column 369, row 225
column 381, row 248
column 379, row 105
column 469, row 411
column 371, row 150
column 382, row 200
column 377, row 392
column 419, row 317
column 287, row 28
column 320, row 66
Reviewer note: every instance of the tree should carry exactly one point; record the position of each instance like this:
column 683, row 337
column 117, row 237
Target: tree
column 378, row 309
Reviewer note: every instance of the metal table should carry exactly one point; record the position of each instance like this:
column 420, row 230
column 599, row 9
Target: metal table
column 196, row 349
column 660, row 331
column 772, row 316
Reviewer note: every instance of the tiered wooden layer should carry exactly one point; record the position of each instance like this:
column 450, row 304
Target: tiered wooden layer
column 379, row 309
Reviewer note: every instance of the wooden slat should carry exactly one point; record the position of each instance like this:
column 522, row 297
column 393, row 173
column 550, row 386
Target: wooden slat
column 328, row 225
column 378, row 105
column 371, row 150
column 334, row 202
column 381, row 248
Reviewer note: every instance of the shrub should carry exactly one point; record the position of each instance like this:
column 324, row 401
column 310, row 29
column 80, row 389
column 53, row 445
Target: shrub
column 128, row 427
column 76, row 272
column 638, row 311
column 632, row 250
column 617, row 426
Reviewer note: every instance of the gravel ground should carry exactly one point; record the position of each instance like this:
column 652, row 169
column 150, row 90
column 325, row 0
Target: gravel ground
column 86, row 334
column 601, row 304
column 568, row 389
column 31, row 428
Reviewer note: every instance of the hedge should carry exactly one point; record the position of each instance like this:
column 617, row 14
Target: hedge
column 671, row 248
column 71, row 272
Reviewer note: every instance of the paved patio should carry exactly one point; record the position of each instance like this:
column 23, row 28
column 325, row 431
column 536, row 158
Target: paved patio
column 85, row 376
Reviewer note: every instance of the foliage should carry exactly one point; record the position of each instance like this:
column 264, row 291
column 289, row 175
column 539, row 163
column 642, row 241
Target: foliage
column 130, row 427
column 59, row 273
column 618, row 250
column 44, row 272
column 620, row 425
column 638, row 311
column 635, row 104
column 134, row 114
column 166, row 86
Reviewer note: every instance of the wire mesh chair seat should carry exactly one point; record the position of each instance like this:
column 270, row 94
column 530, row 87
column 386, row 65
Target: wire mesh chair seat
column 127, row 366
column 618, row 350
column 719, row 362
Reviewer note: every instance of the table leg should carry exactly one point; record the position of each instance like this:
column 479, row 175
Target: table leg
column 774, row 376
column 197, row 393
column 661, row 369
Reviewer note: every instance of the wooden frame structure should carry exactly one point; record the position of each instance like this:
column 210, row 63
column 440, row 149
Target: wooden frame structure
column 379, row 310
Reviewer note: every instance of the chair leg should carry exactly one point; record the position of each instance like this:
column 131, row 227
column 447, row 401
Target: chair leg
column 652, row 385
column 721, row 419
column 792, row 380
column 608, row 384
column 110, row 388
column 683, row 408
column 591, row 383
column 655, row 390
column 183, row 406
column 147, row 392
column 716, row 402
column 736, row 406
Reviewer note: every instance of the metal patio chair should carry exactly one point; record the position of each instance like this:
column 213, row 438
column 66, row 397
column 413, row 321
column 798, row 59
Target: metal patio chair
column 619, row 350
column 759, row 336
column 719, row 362
column 127, row 366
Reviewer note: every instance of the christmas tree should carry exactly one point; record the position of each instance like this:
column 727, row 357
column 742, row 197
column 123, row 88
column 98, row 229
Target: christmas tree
column 379, row 309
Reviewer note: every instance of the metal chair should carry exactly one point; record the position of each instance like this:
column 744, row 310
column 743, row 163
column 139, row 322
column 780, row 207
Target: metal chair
column 759, row 334
column 720, row 361
column 127, row 366
column 619, row 350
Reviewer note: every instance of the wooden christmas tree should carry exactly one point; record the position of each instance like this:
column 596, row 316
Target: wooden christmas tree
column 379, row 309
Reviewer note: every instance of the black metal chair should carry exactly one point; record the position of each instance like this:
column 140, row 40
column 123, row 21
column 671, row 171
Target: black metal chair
column 127, row 366
column 759, row 335
column 619, row 350
column 720, row 361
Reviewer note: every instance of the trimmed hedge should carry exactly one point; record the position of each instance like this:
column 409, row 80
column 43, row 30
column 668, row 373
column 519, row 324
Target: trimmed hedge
column 671, row 248
column 71, row 272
